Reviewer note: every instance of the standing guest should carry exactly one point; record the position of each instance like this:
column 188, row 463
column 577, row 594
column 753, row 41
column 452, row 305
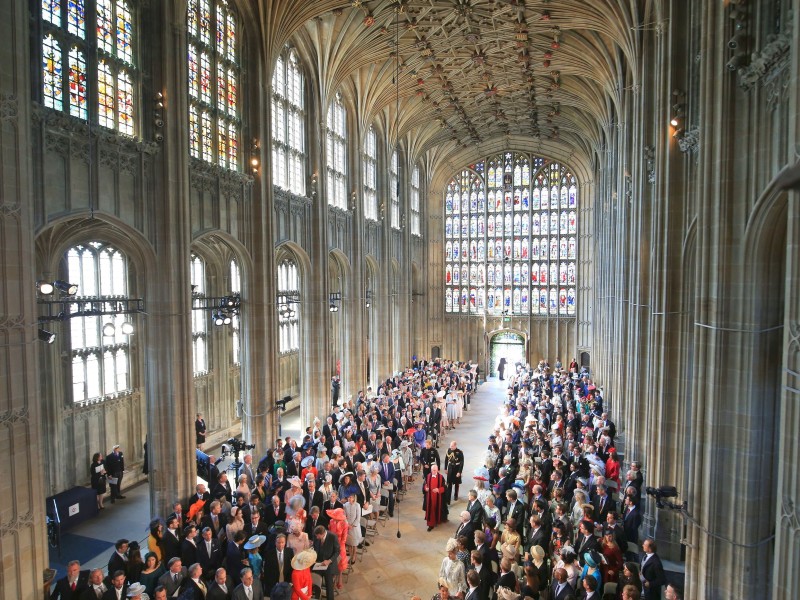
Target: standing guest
column 73, row 584
column 195, row 586
column 452, row 570
column 673, row 592
column 96, row 587
column 135, row 562
column 254, row 559
column 444, row 591
column 199, row 431
column 118, row 561
column 97, row 470
column 154, row 538
column 302, row 586
column 629, row 577
column 560, row 588
column 454, row 465
column 220, row 589
column 118, row 590
column 189, row 545
column 652, row 571
column 152, row 571
column 235, row 558
column 209, row 554
column 501, row 368
column 326, row 545
column 434, row 505
column 592, row 562
column 115, row 467
column 174, row 580
column 612, row 556
column 631, row 520
column 249, row 589
column 171, row 540
column 352, row 512
column 277, row 563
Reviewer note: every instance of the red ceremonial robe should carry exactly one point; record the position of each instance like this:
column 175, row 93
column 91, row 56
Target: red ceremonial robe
column 434, row 500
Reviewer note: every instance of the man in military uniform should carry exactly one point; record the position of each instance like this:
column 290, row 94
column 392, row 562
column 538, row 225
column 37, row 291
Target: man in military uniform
column 428, row 456
column 454, row 465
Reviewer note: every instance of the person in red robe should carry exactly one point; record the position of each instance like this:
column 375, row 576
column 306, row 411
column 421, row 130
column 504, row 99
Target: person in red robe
column 433, row 494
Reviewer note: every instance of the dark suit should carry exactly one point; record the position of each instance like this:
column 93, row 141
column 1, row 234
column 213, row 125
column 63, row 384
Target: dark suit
column 328, row 549
column 209, row 561
column 170, row 546
column 89, row 594
column 518, row 513
column 583, row 545
column 207, row 521
column 476, row 513
column 467, row 531
column 269, row 514
column 539, row 538
column 189, row 552
column 487, row 581
column 115, row 465
column 508, row 580
column 240, row 594
column 233, row 562
column 271, row 567
column 63, row 591
column 630, row 523
column 111, row 593
column 171, row 584
column 601, row 509
column 326, row 507
column 653, row 573
column 117, row 563
column 215, row 593
column 565, row 591
column 387, row 476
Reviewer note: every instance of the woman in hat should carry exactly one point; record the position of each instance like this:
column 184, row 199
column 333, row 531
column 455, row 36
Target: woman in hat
column 408, row 460
column 135, row 562
column 280, row 463
column 593, row 560
column 308, row 467
column 579, row 499
column 236, row 523
column 137, row 592
column 352, row 511
column 444, row 591
column 302, row 587
column 452, row 570
column 347, row 485
column 295, row 489
column 338, row 526
column 297, row 539
column 568, row 561
column 537, row 562
column 253, row 554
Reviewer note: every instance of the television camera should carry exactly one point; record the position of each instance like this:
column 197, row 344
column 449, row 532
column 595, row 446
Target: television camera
column 662, row 495
column 234, row 447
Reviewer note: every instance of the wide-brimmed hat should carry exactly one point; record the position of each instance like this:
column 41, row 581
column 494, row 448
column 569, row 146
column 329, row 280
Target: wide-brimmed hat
column 307, row 461
column 304, row 560
column 136, row 589
column 504, row 593
column 254, row 542
column 404, row 444
column 295, row 481
column 337, row 514
column 452, row 545
column 592, row 558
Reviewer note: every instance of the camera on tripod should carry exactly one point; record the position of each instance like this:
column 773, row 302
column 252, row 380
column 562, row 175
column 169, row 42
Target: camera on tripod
column 662, row 494
column 234, row 446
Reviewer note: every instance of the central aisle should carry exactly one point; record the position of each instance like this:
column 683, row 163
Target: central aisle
column 395, row 568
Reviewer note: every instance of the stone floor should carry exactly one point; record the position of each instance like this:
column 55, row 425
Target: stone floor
column 391, row 567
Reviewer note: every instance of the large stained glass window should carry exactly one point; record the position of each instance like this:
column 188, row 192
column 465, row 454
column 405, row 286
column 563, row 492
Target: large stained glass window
column 214, row 74
column 414, row 203
column 100, row 362
column 510, row 228
column 111, row 74
column 288, row 124
column 369, row 165
column 336, row 154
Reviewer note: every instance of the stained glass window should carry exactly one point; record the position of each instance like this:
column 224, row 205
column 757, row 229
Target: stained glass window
column 197, row 272
column 369, row 162
column 414, row 208
column 100, row 363
column 511, row 235
column 113, row 64
column 288, row 307
column 213, row 75
column 394, row 192
column 288, row 124
column 336, row 154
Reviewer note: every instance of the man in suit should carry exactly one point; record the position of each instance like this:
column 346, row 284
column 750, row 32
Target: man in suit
column 312, row 495
column 222, row 486
column 507, row 577
column 118, row 561
column 537, row 535
column 247, row 469
column 209, row 554
column 115, row 467
column 516, row 510
column 96, row 586
column 326, row 546
column 235, row 557
column 256, row 526
column 249, row 589
column 175, row 579
column 631, row 520
column 602, row 504
column 387, row 480
column 560, row 587
column 171, row 540
column 189, row 545
column 312, row 521
column 219, row 590
column 465, row 528
column 214, row 520
column 118, row 588
column 200, row 493
column 71, row 586
column 475, row 510
column 276, row 511
column 293, row 468
column 483, row 569
column 330, row 504
column 278, row 563
column 195, row 586
column 481, row 547
column 653, row 576
column 585, row 540
column 473, row 585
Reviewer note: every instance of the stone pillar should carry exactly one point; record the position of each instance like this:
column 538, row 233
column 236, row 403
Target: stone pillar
column 23, row 544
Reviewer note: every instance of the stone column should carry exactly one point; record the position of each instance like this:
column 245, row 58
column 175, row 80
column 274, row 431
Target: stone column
column 23, row 544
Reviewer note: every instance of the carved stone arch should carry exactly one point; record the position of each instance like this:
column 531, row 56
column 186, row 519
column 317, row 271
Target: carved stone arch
column 372, row 346
column 218, row 248
column 53, row 241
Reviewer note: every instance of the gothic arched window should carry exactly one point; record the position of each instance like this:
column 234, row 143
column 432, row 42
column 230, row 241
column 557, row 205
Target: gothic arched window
column 394, row 192
column 199, row 318
column 288, row 307
column 214, row 74
column 236, row 288
column 288, row 125
column 79, row 69
column 511, row 238
column 369, row 162
column 100, row 353
column 336, row 154
column 414, row 209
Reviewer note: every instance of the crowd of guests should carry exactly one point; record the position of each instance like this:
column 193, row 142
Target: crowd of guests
column 303, row 508
column 553, row 515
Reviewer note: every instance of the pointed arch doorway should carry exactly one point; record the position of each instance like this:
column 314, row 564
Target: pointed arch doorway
column 510, row 345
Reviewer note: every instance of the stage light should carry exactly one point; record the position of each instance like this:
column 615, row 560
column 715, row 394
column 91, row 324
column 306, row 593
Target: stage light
column 127, row 328
column 46, row 336
column 218, row 319
column 68, row 289
column 45, row 288
column 109, row 330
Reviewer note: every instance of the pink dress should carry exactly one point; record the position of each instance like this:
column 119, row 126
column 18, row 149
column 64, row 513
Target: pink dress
column 339, row 529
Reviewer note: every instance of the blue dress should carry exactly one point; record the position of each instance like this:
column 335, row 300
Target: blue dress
column 256, row 562
column 597, row 575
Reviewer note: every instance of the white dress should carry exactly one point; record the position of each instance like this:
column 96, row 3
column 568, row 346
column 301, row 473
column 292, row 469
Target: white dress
column 452, row 571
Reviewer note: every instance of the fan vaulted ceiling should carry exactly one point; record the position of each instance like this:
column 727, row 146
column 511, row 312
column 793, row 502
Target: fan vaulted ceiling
column 470, row 71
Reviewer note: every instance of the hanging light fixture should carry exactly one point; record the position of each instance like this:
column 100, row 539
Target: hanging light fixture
column 46, row 336
column 127, row 328
column 45, row 287
column 109, row 330
column 68, row 289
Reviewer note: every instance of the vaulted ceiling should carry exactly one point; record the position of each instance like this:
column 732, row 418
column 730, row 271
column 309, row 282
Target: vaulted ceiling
column 465, row 72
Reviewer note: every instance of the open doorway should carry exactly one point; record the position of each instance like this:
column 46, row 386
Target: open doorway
column 508, row 345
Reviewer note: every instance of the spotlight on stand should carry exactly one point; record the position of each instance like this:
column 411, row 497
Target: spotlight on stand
column 218, row 318
column 109, row 330
column 46, row 336
column 283, row 402
column 67, row 289
column 127, row 328
column 333, row 301
column 45, row 288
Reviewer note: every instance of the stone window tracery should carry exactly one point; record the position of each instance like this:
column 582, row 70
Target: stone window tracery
column 336, row 155
column 288, row 125
column 369, row 161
